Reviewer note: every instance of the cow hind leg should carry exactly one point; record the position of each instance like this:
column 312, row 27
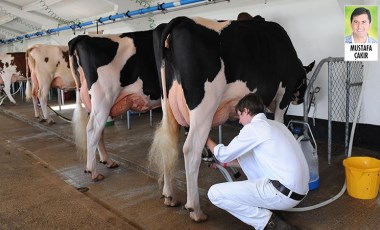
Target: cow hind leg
column 43, row 96
column 163, row 153
column 279, row 113
column 192, row 151
column 95, row 128
column 30, row 94
column 104, row 157
column 7, row 90
column 98, row 117
column 37, row 114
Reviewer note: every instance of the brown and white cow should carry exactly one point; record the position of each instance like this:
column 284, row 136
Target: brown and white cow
column 206, row 68
column 49, row 68
column 114, row 73
column 12, row 69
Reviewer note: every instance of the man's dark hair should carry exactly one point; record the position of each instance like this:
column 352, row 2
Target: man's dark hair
column 359, row 11
column 244, row 16
column 252, row 102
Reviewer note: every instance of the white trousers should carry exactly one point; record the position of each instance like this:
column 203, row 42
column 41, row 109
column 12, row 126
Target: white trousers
column 250, row 201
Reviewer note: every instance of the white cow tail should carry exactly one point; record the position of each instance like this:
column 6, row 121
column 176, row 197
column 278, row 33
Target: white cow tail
column 79, row 123
column 163, row 153
column 80, row 116
column 28, row 90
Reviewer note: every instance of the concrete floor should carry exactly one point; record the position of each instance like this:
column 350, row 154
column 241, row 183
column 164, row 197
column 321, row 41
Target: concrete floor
column 41, row 174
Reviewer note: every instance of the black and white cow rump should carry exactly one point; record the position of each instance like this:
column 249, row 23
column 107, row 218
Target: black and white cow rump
column 113, row 74
column 206, row 68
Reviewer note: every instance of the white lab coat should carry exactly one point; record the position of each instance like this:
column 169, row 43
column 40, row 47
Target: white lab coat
column 266, row 150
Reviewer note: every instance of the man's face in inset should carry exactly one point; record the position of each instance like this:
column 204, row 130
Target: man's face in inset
column 360, row 26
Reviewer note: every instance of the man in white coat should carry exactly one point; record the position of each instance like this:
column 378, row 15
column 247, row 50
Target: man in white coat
column 273, row 162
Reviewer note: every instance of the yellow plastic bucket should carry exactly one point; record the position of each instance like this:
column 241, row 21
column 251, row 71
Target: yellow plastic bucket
column 362, row 177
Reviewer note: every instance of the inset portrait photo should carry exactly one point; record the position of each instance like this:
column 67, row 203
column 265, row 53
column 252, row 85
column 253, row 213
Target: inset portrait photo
column 361, row 33
column 361, row 25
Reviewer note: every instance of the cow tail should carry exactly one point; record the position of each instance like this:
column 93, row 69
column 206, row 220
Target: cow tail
column 167, row 30
column 163, row 153
column 28, row 90
column 79, row 123
column 80, row 118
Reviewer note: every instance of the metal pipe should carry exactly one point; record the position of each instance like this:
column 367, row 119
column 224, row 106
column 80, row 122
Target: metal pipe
column 128, row 119
column 347, row 124
column 329, row 114
column 150, row 117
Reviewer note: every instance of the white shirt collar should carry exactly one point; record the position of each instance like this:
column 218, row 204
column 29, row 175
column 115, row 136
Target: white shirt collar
column 259, row 116
column 353, row 41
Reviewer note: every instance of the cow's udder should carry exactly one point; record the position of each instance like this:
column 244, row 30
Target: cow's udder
column 129, row 102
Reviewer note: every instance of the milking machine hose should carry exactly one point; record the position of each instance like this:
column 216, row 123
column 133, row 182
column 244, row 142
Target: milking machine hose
column 59, row 115
column 326, row 202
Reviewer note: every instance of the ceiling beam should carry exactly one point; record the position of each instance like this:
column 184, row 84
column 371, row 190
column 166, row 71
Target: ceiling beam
column 13, row 30
column 8, row 33
column 36, row 5
column 6, row 18
column 44, row 21
column 115, row 6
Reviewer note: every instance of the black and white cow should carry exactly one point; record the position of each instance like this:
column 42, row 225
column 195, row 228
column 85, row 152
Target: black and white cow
column 114, row 73
column 12, row 69
column 206, row 68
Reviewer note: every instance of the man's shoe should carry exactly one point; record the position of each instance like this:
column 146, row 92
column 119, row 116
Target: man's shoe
column 276, row 223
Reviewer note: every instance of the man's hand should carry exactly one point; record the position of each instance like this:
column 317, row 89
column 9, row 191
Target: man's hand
column 210, row 144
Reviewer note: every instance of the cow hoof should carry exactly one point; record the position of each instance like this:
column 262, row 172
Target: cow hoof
column 201, row 217
column 82, row 189
column 51, row 122
column 170, row 202
column 113, row 165
column 98, row 178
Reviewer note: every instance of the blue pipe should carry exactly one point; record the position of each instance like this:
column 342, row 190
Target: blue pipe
column 159, row 7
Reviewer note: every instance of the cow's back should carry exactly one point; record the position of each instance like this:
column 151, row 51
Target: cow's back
column 261, row 54
column 96, row 51
column 195, row 49
column 47, row 55
column 245, row 56
column 50, row 65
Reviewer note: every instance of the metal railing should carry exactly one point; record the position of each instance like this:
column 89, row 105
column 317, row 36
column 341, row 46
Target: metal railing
column 345, row 81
